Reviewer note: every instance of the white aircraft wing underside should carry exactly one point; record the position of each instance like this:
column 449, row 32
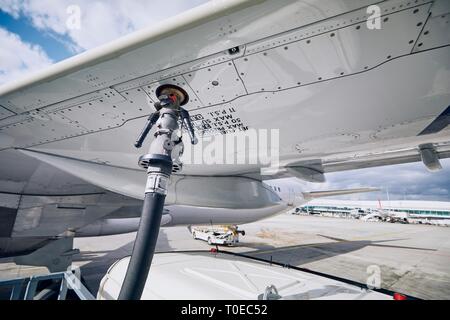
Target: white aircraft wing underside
column 342, row 96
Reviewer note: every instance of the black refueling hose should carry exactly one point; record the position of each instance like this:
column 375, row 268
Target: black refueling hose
column 144, row 247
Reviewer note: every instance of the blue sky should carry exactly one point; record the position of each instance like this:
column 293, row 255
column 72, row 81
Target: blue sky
column 22, row 26
column 34, row 34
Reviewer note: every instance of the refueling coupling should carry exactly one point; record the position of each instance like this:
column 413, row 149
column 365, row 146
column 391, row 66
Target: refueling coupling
column 159, row 164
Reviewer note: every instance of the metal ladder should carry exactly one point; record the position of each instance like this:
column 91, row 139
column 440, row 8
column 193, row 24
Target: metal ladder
column 69, row 281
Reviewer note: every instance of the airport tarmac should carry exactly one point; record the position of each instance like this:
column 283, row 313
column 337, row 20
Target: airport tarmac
column 412, row 259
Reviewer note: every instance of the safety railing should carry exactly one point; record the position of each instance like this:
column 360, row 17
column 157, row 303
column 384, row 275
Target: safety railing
column 61, row 283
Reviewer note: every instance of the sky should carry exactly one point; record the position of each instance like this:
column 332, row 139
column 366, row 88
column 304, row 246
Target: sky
column 37, row 33
column 410, row 181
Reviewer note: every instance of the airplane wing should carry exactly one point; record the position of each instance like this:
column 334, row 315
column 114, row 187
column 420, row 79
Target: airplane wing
column 329, row 193
column 340, row 94
column 314, row 170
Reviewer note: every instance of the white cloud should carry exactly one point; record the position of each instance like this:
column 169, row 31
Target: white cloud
column 18, row 58
column 11, row 7
column 405, row 181
column 101, row 21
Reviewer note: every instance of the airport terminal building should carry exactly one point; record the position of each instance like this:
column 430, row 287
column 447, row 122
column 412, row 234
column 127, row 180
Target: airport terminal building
column 415, row 209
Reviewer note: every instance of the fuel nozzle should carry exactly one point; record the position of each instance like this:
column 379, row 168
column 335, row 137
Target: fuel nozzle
column 174, row 95
column 167, row 101
column 171, row 97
